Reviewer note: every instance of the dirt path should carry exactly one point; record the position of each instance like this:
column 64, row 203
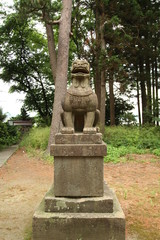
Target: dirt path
column 137, row 185
column 24, row 181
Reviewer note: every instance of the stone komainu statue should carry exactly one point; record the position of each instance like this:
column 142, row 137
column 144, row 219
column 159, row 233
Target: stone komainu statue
column 80, row 102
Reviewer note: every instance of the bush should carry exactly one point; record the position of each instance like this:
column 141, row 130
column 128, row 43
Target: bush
column 114, row 154
column 141, row 138
column 35, row 143
column 149, row 138
column 37, row 138
column 124, row 140
column 120, row 141
column 9, row 135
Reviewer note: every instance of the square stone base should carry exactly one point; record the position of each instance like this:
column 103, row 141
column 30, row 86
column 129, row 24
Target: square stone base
column 78, row 176
column 79, row 205
column 78, row 165
column 79, row 226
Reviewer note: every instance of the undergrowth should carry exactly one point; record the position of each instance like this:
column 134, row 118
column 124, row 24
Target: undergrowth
column 120, row 141
column 28, row 232
column 9, row 135
column 117, row 154
column 131, row 140
column 35, row 143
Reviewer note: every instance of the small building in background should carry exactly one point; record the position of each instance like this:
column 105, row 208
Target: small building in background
column 24, row 125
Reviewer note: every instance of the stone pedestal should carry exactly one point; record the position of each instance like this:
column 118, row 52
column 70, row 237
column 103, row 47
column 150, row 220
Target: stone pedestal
column 99, row 218
column 78, row 165
column 79, row 206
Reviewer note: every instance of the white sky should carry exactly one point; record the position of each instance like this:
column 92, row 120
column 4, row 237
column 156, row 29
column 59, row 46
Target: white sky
column 11, row 103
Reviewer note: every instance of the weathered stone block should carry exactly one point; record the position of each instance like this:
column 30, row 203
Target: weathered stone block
column 78, row 176
column 78, row 138
column 79, row 226
column 77, row 150
column 75, row 205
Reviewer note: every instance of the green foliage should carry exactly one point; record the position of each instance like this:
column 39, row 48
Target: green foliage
column 8, row 135
column 28, row 232
column 141, row 138
column 123, row 114
column 149, row 138
column 24, row 63
column 156, row 152
column 120, row 142
column 2, row 115
column 115, row 154
column 128, row 140
column 35, row 143
column 24, row 115
column 37, row 138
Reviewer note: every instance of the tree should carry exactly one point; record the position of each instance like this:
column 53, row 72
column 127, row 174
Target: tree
column 24, row 115
column 59, row 66
column 111, row 62
column 141, row 19
column 123, row 114
column 25, row 63
column 62, row 67
column 2, row 115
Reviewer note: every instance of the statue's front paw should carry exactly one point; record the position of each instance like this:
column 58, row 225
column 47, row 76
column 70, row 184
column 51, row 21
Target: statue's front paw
column 90, row 130
column 67, row 130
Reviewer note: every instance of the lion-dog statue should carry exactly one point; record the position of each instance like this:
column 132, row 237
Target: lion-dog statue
column 80, row 102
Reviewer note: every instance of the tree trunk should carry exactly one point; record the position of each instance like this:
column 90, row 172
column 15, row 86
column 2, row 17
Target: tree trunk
column 100, row 81
column 156, row 81
column 138, row 99
column 97, row 58
column 103, row 80
column 112, row 105
column 62, row 68
column 103, row 100
column 153, row 91
column 143, row 92
column 51, row 50
column 51, row 45
column 149, row 101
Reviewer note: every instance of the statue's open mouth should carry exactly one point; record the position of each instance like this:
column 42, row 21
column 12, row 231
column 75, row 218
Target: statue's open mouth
column 80, row 69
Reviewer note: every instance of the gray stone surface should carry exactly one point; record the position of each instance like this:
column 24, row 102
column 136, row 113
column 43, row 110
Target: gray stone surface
column 75, row 205
column 78, row 138
column 6, row 154
column 77, row 150
column 78, row 176
column 79, row 208
column 80, row 102
column 79, row 226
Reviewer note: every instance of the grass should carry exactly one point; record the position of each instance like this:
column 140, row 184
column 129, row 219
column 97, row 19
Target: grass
column 131, row 140
column 37, row 138
column 144, row 233
column 28, row 232
column 121, row 141
column 115, row 154
column 35, row 143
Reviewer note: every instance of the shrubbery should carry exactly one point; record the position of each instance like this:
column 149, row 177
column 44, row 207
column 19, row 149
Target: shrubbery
column 37, row 138
column 36, row 141
column 127, row 140
column 8, row 135
column 120, row 141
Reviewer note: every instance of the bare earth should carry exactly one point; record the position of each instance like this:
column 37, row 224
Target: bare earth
column 25, row 180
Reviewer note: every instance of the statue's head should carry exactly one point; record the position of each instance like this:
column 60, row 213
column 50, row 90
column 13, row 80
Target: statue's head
column 80, row 66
